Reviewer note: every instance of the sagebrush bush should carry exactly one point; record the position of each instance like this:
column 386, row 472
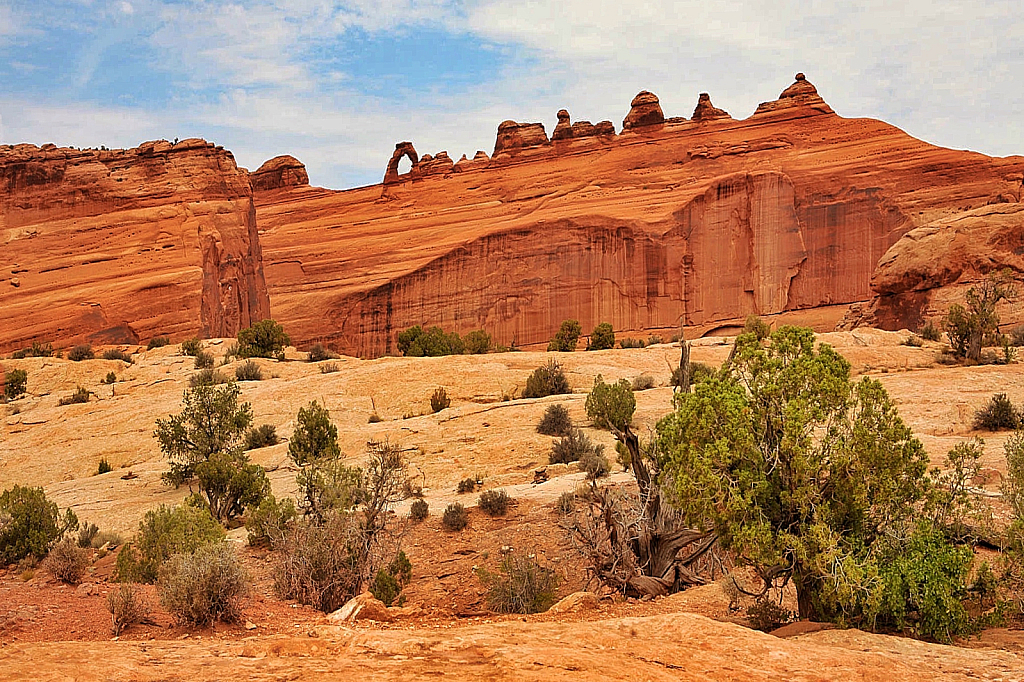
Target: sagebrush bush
column 595, row 463
column 455, row 517
column 632, row 343
column 998, row 414
column 207, row 377
column 158, row 342
column 914, row 341
column 567, row 337
column 555, row 422
column 264, row 339
column 439, row 400
column 767, row 614
column 494, row 502
column 80, row 395
column 319, row 353
column 419, row 510
column 82, row 352
column 329, row 368
column 117, row 354
column 547, row 380
column 15, row 382
column 36, row 350
column 602, row 338
column 205, row 586
column 262, row 436
column 87, row 532
column 520, row 586
column 103, row 467
column 268, row 524
column 128, row 606
column 566, row 503
column 466, row 485
column 248, row 371
column 644, row 382
column 321, row 563
column 930, row 332
column 572, row 448
column 654, row 339
column 163, row 532
column 67, row 562
column 111, row 378
column 204, row 360
column 191, row 347
column 698, row 373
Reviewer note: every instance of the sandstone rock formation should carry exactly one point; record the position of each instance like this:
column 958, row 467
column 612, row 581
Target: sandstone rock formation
column 645, row 110
column 706, row 111
column 786, row 212
column 119, row 246
column 278, row 173
column 401, row 149
column 564, row 129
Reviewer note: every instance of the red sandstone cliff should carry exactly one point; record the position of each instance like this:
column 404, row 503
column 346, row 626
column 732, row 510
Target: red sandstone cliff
column 119, row 246
column 704, row 220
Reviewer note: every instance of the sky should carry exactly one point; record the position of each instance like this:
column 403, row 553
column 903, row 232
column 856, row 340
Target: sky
column 337, row 84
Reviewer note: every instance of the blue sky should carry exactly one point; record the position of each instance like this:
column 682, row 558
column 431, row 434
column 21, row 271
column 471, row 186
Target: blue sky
column 336, row 84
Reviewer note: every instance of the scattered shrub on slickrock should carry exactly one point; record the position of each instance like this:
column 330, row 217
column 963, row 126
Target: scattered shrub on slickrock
column 521, row 585
column 478, row 342
column 555, row 422
column 567, row 337
column 644, row 382
column 80, row 395
column 158, row 342
column 191, row 347
column 602, row 338
column 998, row 414
column 248, row 371
column 573, row 447
column 30, row 523
column 262, row 436
column 547, row 380
column 494, row 502
column 15, row 382
column 117, row 354
column 79, row 353
column 766, row 615
column 319, row 353
column 440, row 400
column 455, row 517
column 264, row 339
column 930, row 332
column 416, row 342
column 204, row 360
column 205, row 586
column 419, row 510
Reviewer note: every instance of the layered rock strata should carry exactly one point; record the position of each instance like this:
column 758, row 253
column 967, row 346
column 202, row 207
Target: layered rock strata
column 119, row 246
column 279, row 172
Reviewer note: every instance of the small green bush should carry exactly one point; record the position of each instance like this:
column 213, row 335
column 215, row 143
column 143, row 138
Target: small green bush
column 439, row 400
column 111, row 378
column 644, row 382
column 572, row 448
column 415, row 342
column 80, row 395
column 455, row 517
column 205, row 586
column 566, row 503
column 67, row 562
column 654, row 339
column 103, row 467
column 478, row 342
column 998, row 414
column 319, row 353
column 262, row 436
column 594, row 462
column 204, row 360
column 158, row 342
column 521, row 586
column 567, row 337
column 329, row 368
column 127, row 605
column 207, row 377
column 29, row 523
column 87, row 532
column 265, row 339
column 602, row 338
column 466, row 485
column 419, row 510
column 494, row 502
column 632, row 343
column 555, row 422
column 389, row 581
column 547, row 380
column 117, row 354
column 930, row 332
column 191, row 347
column 767, row 615
column 611, row 406
column 163, row 532
column 268, row 523
column 248, row 371
column 698, row 373
column 758, row 327
column 15, row 382
column 36, row 350
column 82, row 352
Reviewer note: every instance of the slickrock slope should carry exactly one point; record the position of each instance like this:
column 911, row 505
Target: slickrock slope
column 704, row 220
column 118, row 246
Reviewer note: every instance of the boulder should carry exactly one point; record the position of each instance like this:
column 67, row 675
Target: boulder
column 363, row 607
column 277, row 173
column 645, row 111
column 514, row 136
column 801, row 93
column 575, row 602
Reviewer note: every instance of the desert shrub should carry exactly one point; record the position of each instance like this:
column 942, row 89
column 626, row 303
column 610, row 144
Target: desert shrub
column 163, row 532
column 248, row 371
column 546, row 380
column 329, row 368
column 419, row 510
column 207, row 377
column 67, row 562
column 632, row 343
column 602, row 338
column 416, row 342
column 494, row 502
column 611, row 406
column 15, row 382
column 644, row 382
column 767, row 614
column 567, row 337
column 103, row 467
column 107, row 537
column 914, row 341
column 262, row 436
column 594, row 462
column 80, row 395
column 572, row 447
column 466, row 485
column 698, row 372
column 111, row 378
column 81, row 352
column 319, row 353
column 117, row 354
column 566, row 503
column 268, row 523
column 478, row 342
column 390, row 580
column 1013, row 483
column 930, row 332
column 127, row 606
column 322, row 564
column 230, row 483
column 87, row 532
column 315, row 436
column 29, row 523
column 968, row 327
column 439, row 400
column 998, row 414
column 205, row 586
column 191, row 347
column 555, row 422
column 1016, row 337
column 520, row 586
column 204, row 360
column 654, row 339
column 758, row 327
column 455, row 517
column 158, row 342
column 622, row 456
column 264, row 339
column 36, row 350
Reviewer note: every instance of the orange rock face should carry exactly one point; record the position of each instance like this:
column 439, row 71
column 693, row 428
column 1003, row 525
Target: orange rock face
column 120, row 246
column 704, row 222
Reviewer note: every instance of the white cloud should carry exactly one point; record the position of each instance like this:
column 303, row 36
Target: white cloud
column 126, row 8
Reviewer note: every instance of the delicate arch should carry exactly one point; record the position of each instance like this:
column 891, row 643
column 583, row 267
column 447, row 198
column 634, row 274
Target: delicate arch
column 401, row 149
